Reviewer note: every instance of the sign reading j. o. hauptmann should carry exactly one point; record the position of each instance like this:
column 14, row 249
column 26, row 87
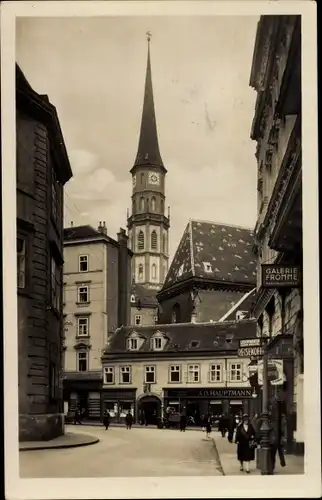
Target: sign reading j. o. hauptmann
column 274, row 276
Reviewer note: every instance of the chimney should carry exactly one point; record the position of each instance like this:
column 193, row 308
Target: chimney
column 102, row 227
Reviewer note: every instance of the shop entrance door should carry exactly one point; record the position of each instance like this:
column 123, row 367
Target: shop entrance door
column 150, row 410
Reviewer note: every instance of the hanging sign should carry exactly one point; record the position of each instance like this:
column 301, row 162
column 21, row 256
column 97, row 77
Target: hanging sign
column 275, row 276
column 275, row 372
column 250, row 352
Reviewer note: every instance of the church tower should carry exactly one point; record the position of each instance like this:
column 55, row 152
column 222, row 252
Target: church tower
column 148, row 225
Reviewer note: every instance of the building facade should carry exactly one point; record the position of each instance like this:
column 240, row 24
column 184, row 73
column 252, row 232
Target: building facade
column 144, row 306
column 276, row 77
column 97, row 274
column 148, row 225
column 213, row 269
column 194, row 367
column 42, row 170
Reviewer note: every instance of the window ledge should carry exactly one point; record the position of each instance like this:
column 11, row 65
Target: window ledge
column 80, row 337
column 83, row 303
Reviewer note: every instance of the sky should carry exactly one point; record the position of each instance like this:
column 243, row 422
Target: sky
column 93, row 71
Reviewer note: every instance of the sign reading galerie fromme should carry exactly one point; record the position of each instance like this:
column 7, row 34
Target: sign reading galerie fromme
column 275, row 276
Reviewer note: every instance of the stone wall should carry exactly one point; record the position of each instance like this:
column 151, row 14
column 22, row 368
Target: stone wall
column 40, row 427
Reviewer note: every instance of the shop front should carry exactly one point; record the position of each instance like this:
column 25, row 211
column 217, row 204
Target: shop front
column 197, row 402
column 83, row 393
column 119, row 402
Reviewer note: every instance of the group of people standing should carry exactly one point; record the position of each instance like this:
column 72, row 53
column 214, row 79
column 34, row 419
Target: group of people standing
column 247, row 438
column 107, row 420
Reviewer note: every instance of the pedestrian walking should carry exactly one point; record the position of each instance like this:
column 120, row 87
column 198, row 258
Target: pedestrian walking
column 277, row 439
column 207, row 425
column 231, row 427
column 77, row 417
column 245, row 440
column 183, row 422
column 129, row 420
column 106, row 419
column 223, row 425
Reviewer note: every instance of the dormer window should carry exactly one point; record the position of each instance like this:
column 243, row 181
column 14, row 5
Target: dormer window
column 132, row 298
column 157, row 344
column 207, row 267
column 133, row 344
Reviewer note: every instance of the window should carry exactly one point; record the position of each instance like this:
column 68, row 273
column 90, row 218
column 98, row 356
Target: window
column 55, row 285
column 164, row 244
column 53, row 385
column 125, row 372
column 215, row 373
column 150, row 374
column 142, row 204
column 154, row 240
column 133, row 344
column 21, row 263
column 155, row 319
column 82, row 327
column 175, row 373
column 138, row 319
column 132, row 298
column 154, row 271
column 207, row 267
column 83, row 263
column 157, row 344
column 153, row 204
column 193, row 373
column 235, row 372
column 83, row 294
column 141, row 240
column 162, row 207
column 175, row 316
column 109, row 375
column 133, row 206
column 82, row 360
column 142, row 177
column 141, row 272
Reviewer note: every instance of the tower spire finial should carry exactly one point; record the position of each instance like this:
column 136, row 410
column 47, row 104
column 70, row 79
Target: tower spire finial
column 148, row 36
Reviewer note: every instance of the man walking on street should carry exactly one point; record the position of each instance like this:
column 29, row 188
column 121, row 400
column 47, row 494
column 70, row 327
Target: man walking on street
column 77, row 419
column 129, row 420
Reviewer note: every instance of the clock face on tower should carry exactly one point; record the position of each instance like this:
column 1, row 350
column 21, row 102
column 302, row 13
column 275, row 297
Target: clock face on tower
column 154, row 178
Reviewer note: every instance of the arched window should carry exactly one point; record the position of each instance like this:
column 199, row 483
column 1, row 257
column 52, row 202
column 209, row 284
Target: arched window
column 154, row 271
column 153, row 204
column 141, row 240
column 164, row 244
column 162, row 207
column 141, row 272
column 142, row 204
column 175, row 316
column 142, row 177
column 154, row 240
column 133, row 206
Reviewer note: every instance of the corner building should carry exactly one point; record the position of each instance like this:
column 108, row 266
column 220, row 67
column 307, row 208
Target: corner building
column 42, row 170
column 276, row 77
column 191, row 367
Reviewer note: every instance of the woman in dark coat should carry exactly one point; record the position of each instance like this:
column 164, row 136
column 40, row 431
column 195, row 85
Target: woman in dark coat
column 183, row 422
column 245, row 436
column 106, row 419
column 129, row 420
column 207, row 425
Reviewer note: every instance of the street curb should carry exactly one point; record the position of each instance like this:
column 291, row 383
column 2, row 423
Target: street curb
column 87, row 424
column 60, row 446
column 220, row 467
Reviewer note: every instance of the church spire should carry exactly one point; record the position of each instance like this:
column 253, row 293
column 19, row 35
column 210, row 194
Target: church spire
column 148, row 151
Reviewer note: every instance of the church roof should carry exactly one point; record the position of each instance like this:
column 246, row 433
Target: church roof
column 185, row 337
column 148, row 150
column 215, row 252
column 80, row 233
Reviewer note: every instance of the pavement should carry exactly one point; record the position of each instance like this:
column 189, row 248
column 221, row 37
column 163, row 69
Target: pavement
column 68, row 440
column 126, row 453
column 227, row 457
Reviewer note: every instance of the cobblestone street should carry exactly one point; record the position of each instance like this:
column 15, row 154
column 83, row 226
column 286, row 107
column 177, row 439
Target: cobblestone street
column 135, row 453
